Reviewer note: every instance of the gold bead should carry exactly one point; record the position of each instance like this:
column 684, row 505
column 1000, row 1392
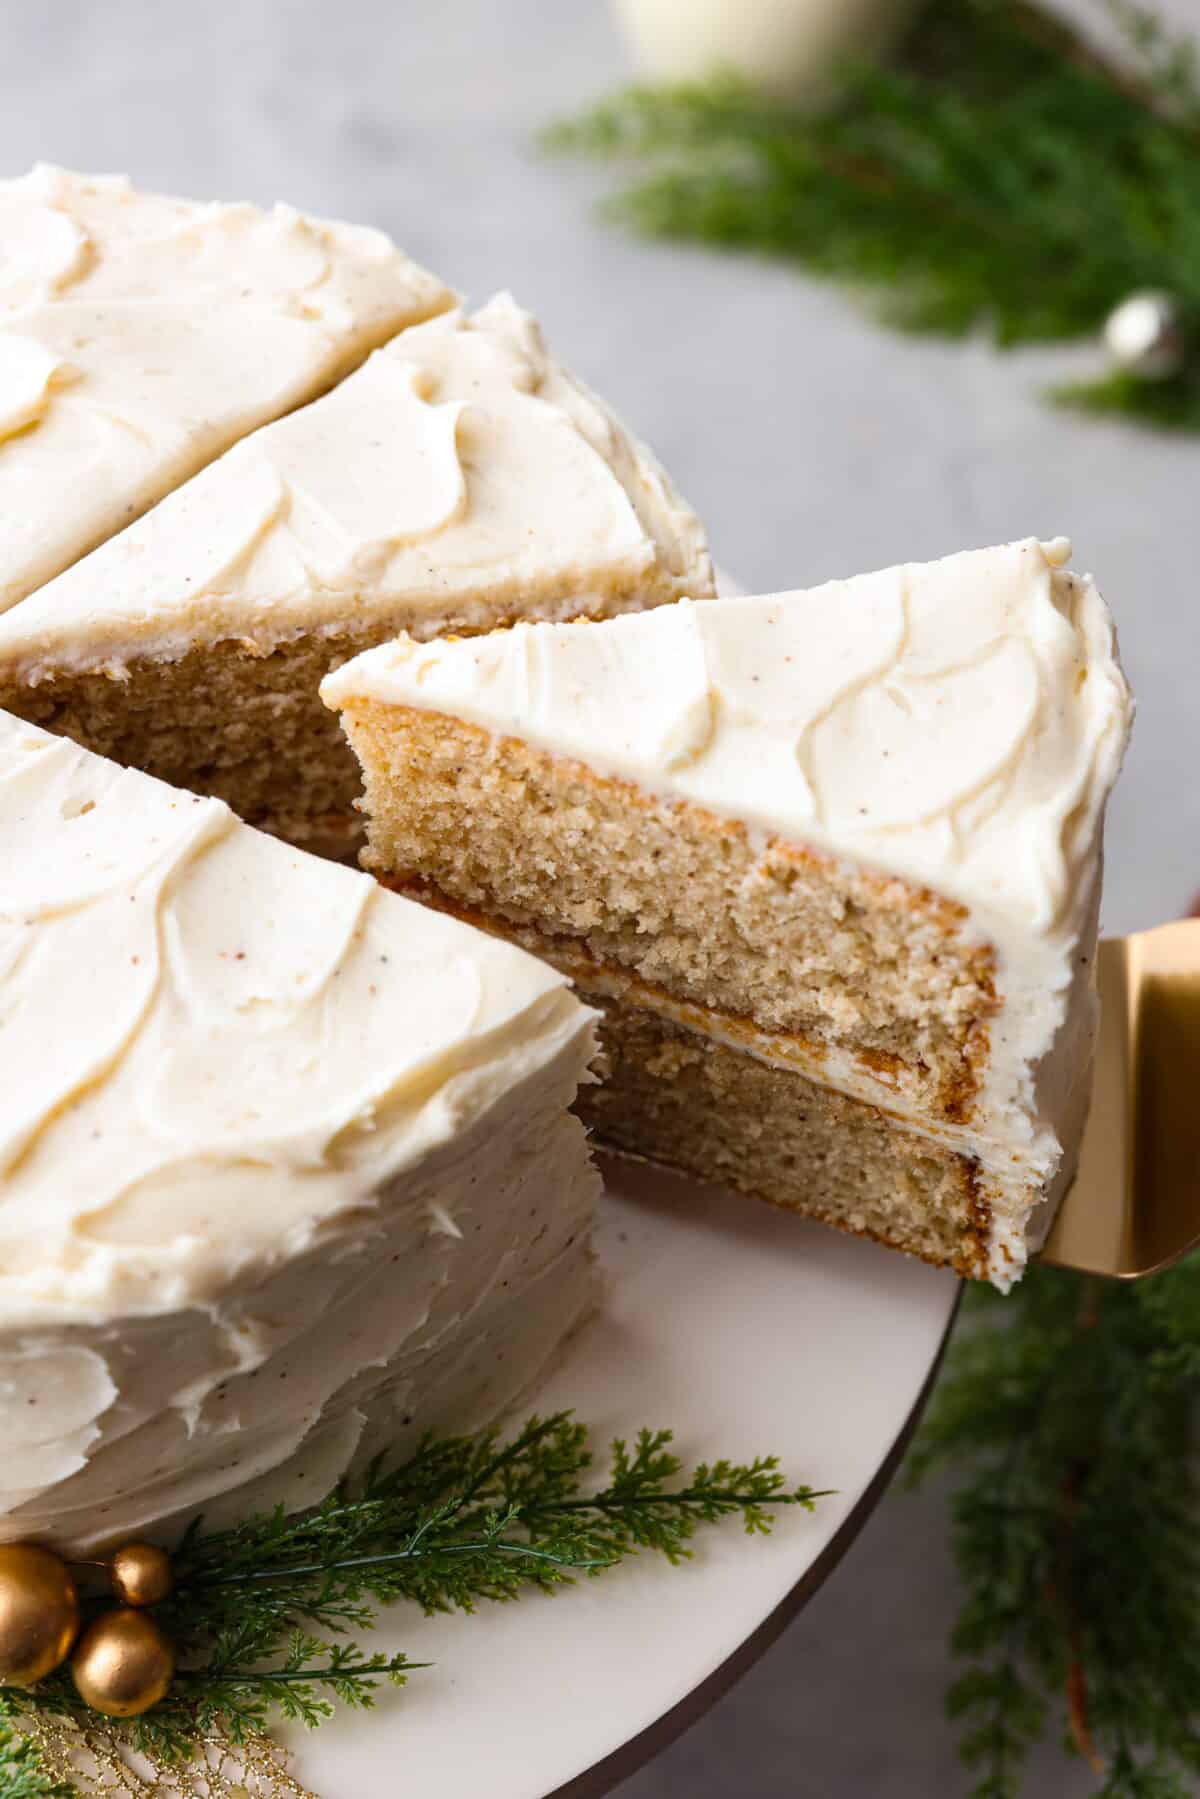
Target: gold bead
column 39, row 1613
column 141, row 1574
column 123, row 1664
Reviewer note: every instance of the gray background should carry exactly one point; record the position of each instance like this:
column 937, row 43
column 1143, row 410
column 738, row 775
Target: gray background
column 813, row 445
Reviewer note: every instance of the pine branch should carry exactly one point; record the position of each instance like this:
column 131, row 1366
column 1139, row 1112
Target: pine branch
column 1172, row 405
column 261, row 1611
column 1066, row 1418
column 21, row 1773
column 1003, row 177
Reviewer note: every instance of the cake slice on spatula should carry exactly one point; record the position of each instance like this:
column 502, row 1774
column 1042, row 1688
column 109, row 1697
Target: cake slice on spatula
column 828, row 861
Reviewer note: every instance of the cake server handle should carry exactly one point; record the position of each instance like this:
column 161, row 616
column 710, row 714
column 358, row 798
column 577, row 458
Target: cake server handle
column 1135, row 1205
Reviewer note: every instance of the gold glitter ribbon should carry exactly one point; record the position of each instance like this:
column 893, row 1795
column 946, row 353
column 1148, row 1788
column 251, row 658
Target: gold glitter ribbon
column 100, row 1766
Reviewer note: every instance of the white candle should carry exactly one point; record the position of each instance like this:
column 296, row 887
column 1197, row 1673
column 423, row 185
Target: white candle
column 790, row 48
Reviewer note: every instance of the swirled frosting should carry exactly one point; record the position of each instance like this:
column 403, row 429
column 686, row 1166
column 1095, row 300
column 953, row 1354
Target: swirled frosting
column 282, row 1155
column 141, row 336
column 958, row 724
column 460, row 476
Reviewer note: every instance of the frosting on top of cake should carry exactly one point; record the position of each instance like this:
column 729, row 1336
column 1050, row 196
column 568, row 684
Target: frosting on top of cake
column 213, row 1045
column 140, row 336
column 958, row 723
column 460, row 473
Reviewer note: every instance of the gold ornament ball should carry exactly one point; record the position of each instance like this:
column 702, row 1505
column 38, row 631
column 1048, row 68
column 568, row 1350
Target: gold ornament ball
column 141, row 1574
column 39, row 1613
column 123, row 1664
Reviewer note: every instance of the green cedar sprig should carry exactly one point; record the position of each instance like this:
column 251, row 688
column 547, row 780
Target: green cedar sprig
column 1001, row 176
column 262, row 1611
column 21, row 1773
column 1066, row 1420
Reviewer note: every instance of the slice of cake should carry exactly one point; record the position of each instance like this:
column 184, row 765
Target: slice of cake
column 141, row 336
column 288, row 1169
column 829, row 862
column 459, row 480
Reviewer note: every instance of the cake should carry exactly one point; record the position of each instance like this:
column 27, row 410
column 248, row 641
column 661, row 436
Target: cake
column 288, row 1168
column 141, row 336
column 460, row 479
column 828, row 862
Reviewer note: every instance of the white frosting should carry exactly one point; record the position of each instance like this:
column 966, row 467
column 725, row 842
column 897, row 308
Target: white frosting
column 141, row 336
column 958, row 724
column 458, row 477
column 281, row 1154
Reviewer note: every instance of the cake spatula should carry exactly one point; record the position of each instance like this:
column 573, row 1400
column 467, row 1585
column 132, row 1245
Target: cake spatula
column 1135, row 1205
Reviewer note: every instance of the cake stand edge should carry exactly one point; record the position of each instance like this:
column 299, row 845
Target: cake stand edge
column 605, row 1775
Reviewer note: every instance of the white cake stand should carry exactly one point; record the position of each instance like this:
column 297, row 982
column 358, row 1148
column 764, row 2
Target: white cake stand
column 745, row 1331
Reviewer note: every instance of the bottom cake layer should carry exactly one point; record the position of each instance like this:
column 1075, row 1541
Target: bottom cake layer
column 673, row 1093
column 674, row 1096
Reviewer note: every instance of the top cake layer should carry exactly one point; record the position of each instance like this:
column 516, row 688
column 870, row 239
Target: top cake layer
column 460, row 477
column 215, row 1045
column 958, row 723
column 140, row 336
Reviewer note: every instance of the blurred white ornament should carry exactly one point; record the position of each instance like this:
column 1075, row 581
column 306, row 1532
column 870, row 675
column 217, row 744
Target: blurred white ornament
column 1146, row 336
column 793, row 49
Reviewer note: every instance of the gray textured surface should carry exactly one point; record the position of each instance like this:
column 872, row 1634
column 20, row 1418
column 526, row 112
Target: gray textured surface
column 812, row 443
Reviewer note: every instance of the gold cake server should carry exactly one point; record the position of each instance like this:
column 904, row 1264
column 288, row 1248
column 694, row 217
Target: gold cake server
column 1135, row 1204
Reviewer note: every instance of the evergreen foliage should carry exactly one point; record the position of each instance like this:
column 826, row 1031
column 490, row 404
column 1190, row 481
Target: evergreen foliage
column 1002, row 176
column 261, row 1612
column 1066, row 1419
